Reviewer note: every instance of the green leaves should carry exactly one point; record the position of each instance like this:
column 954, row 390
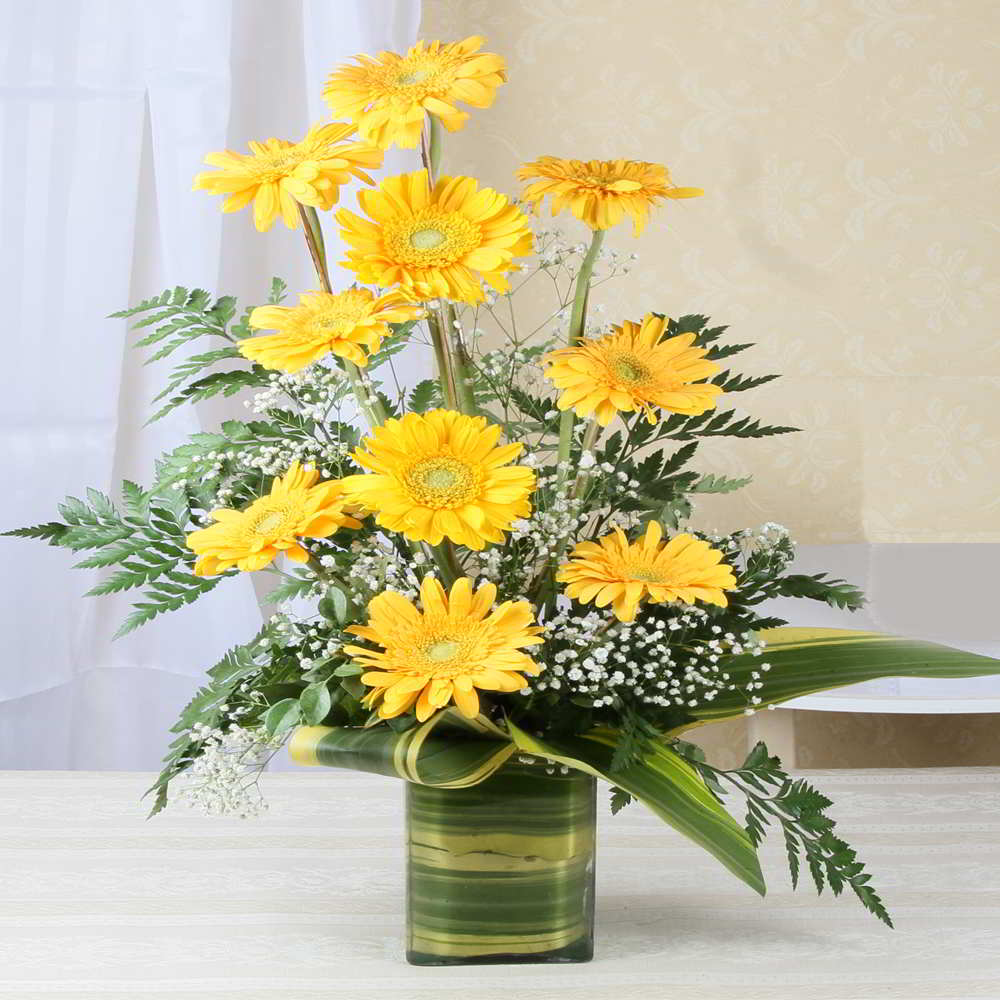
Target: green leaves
column 804, row 661
column 719, row 484
column 235, row 438
column 315, row 703
column 179, row 316
column 665, row 783
column 447, row 751
column 799, row 809
column 218, row 383
column 819, row 587
column 299, row 584
column 723, row 423
column 391, row 345
column 536, row 408
column 206, row 709
column 425, row 396
column 147, row 542
column 619, row 800
column 52, row 532
column 335, row 606
column 731, row 382
column 163, row 596
column 282, row 716
column 277, row 294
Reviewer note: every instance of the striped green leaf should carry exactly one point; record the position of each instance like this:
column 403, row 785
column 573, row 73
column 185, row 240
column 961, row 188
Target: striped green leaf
column 447, row 751
column 806, row 660
column 503, row 871
column 668, row 785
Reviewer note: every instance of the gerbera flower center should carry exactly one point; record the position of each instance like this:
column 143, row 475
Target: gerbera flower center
column 632, row 566
column 412, row 77
column 446, row 649
column 443, row 650
column 427, row 239
column 269, row 522
column 441, row 482
column 597, row 180
column 431, row 238
column 644, row 574
column 272, row 165
column 630, row 369
column 343, row 314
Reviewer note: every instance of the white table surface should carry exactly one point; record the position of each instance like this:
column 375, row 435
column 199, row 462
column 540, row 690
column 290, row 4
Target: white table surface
column 308, row 901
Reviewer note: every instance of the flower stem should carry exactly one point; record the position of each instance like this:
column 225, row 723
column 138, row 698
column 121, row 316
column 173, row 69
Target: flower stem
column 577, row 322
column 446, row 561
column 589, row 438
column 364, row 391
column 442, row 354
column 451, row 558
column 314, row 241
column 449, row 352
column 430, row 147
column 460, row 361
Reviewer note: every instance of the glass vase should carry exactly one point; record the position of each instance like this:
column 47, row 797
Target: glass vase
column 502, row 872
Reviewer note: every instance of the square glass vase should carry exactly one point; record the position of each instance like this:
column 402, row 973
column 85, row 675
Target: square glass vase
column 502, row 872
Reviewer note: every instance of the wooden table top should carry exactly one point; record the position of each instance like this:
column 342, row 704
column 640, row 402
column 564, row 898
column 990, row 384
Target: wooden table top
column 307, row 902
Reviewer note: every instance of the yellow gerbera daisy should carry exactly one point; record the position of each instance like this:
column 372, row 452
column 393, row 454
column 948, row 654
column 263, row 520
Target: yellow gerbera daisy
column 458, row 644
column 440, row 475
column 296, row 507
column 388, row 96
column 632, row 368
column 323, row 323
column 601, row 192
column 278, row 176
column 435, row 242
column 614, row 572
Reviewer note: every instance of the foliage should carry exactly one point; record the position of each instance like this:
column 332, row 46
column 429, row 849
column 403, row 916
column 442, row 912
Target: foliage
column 799, row 809
column 145, row 540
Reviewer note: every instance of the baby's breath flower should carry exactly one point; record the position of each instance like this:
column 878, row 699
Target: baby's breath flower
column 223, row 779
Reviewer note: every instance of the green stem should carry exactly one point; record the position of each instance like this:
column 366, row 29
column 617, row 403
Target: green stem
column 452, row 362
column 460, row 362
column 451, row 558
column 314, row 241
column 364, row 392
column 577, row 322
column 589, row 438
column 442, row 354
column 434, row 147
column 312, row 219
column 446, row 562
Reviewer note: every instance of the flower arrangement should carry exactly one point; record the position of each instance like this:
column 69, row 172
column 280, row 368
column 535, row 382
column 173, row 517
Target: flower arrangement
column 498, row 563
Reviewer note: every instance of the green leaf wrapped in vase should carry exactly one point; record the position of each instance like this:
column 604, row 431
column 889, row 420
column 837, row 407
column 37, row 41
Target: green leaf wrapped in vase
column 502, row 871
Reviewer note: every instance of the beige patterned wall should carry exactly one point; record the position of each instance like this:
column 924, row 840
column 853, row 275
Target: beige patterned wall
column 848, row 149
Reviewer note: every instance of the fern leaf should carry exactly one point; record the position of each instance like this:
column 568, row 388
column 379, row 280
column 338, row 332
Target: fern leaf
column 719, row 484
column 51, row 532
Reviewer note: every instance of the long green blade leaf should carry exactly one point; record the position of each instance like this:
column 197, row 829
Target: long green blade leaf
column 447, row 751
column 668, row 785
column 806, row 660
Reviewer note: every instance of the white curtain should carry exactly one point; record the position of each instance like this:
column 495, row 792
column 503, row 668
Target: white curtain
column 106, row 110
